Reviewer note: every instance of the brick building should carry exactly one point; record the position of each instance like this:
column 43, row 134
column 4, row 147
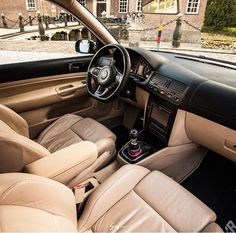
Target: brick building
column 12, row 8
column 164, row 11
column 193, row 11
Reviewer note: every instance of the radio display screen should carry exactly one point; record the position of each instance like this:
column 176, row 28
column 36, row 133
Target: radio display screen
column 160, row 115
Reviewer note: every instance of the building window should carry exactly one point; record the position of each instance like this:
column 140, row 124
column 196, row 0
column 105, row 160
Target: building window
column 123, row 6
column 139, row 5
column 31, row 5
column 161, row 7
column 192, row 6
column 82, row 2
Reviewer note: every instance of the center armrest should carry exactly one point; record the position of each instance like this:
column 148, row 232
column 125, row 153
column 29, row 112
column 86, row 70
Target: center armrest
column 65, row 164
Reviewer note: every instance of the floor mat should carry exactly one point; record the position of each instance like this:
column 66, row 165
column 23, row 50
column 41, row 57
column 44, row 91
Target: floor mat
column 122, row 135
column 214, row 183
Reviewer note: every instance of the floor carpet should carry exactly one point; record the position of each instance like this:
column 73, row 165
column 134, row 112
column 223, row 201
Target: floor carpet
column 214, row 183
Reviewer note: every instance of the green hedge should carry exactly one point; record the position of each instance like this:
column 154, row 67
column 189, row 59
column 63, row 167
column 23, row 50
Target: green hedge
column 220, row 14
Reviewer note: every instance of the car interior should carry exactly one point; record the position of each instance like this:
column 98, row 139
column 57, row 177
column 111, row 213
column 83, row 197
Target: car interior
column 119, row 139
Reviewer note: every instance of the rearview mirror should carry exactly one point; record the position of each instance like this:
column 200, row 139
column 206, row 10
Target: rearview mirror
column 85, row 46
column 160, row 7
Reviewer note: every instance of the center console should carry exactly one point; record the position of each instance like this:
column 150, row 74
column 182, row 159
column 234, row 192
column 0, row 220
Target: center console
column 159, row 120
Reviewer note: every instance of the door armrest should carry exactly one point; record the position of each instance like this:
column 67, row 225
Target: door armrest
column 65, row 164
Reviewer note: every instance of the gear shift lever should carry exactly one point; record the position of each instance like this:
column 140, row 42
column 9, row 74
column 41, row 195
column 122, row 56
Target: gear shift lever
column 134, row 148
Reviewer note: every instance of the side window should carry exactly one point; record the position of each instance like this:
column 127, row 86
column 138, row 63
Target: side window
column 31, row 5
column 139, row 5
column 123, row 6
column 192, row 6
column 31, row 31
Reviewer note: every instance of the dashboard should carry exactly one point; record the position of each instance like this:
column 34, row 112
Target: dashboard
column 206, row 97
column 184, row 88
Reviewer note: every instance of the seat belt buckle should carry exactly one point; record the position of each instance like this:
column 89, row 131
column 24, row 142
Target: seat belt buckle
column 79, row 192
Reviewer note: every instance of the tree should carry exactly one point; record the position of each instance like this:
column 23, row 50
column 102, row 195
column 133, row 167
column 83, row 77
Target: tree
column 220, row 14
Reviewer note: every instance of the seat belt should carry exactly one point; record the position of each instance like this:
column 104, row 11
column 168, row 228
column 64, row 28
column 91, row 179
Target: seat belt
column 79, row 192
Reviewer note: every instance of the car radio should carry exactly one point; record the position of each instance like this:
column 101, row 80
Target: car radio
column 159, row 120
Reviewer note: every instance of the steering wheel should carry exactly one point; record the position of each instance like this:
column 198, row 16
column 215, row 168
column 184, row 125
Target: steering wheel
column 106, row 80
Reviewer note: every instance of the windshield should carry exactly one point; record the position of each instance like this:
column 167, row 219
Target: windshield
column 193, row 27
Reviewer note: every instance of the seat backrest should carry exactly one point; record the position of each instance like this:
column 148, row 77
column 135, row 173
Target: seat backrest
column 17, row 149
column 31, row 203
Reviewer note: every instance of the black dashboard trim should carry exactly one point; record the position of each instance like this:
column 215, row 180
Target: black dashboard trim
column 209, row 99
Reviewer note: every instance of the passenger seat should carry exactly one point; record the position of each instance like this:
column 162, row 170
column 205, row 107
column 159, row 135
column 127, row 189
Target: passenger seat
column 133, row 199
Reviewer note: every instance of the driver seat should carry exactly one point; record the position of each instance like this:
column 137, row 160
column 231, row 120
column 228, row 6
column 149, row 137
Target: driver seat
column 18, row 150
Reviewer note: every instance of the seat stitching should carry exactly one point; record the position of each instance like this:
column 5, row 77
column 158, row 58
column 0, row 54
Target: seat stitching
column 22, row 182
column 107, row 191
column 70, row 168
column 141, row 198
column 14, row 186
column 119, row 201
column 40, row 210
column 27, row 145
column 77, row 134
column 50, row 126
column 55, row 137
column 101, row 221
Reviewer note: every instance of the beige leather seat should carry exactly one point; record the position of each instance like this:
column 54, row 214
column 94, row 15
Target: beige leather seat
column 18, row 150
column 132, row 200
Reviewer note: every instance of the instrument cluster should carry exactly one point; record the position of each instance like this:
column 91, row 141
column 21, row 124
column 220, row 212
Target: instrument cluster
column 140, row 68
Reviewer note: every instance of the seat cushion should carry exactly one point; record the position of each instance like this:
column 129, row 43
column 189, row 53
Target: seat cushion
column 136, row 200
column 71, row 129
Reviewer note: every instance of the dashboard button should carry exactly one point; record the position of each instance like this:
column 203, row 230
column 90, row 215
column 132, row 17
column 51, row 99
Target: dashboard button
column 176, row 98
column 162, row 92
column 169, row 95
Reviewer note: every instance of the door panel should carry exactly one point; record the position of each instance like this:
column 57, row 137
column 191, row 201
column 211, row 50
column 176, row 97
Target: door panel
column 35, row 93
column 40, row 100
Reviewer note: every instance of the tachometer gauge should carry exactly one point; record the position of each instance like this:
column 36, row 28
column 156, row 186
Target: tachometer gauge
column 134, row 65
column 147, row 71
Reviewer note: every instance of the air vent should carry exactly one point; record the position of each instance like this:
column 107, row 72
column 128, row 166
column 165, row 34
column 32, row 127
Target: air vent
column 159, row 80
column 177, row 88
column 167, row 83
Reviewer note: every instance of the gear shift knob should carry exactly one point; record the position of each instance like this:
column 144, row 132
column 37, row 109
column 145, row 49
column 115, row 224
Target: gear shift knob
column 134, row 146
column 133, row 134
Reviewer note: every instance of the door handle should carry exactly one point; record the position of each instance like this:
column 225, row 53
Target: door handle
column 66, row 90
column 76, row 66
column 231, row 146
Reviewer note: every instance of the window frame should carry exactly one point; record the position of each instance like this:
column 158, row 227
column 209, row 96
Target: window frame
column 127, row 6
column 31, row 8
column 191, row 7
column 137, row 5
column 84, row 2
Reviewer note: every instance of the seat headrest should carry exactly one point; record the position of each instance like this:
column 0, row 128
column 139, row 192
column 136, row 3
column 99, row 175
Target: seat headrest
column 14, row 121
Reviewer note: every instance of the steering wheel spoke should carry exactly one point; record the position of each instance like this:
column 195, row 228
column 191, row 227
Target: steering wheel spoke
column 95, row 71
column 119, row 77
column 101, row 91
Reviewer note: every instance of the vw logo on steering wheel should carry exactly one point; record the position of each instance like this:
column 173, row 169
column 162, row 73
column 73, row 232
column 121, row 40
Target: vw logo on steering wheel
column 104, row 74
